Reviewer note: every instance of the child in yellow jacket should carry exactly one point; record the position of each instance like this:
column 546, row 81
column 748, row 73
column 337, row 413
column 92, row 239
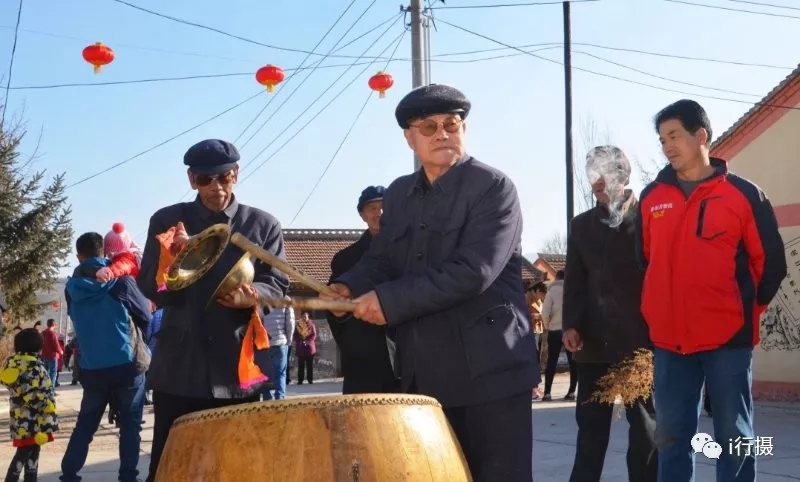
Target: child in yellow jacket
column 32, row 404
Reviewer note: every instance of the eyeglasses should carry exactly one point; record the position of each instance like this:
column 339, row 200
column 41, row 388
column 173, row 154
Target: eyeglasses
column 430, row 127
column 204, row 180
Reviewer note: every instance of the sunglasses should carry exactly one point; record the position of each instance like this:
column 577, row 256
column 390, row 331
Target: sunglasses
column 204, row 180
column 430, row 127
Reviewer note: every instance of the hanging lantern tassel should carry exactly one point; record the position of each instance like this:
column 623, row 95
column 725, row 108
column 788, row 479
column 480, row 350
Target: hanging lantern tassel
column 98, row 55
column 381, row 82
column 270, row 76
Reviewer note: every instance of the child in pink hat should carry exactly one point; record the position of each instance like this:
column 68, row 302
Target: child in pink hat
column 124, row 253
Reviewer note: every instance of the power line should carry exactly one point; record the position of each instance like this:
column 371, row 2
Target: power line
column 620, row 49
column 771, row 5
column 731, row 9
column 221, row 32
column 11, row 63
column 127, row 82
column 291, row 94
column 309, row 106
column 347, row 134
column 648, row 74
column 140, row 154
column 622, row 79
column 542, row 46
column 526, row 4
column 189, row 191
column 118, row 46
column 315, row 116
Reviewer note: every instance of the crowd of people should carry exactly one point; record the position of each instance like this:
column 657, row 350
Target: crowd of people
column 439, row 306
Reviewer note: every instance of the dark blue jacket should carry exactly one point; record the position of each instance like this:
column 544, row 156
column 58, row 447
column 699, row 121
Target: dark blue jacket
column 447, row 268
column 101, row 314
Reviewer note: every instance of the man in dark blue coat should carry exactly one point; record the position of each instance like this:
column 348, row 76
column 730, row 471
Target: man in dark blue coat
column 445, row 272
column 367, row 353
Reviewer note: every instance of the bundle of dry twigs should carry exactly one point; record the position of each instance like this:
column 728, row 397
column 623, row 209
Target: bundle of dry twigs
column 631, row 380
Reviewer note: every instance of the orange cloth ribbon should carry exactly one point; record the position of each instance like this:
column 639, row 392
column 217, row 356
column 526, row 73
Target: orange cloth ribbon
column 165, row 257
column 254, row 338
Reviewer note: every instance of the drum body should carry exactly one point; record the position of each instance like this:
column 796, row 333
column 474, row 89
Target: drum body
column 343, row 438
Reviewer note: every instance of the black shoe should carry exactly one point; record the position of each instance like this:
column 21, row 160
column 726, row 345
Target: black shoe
column 570, row 396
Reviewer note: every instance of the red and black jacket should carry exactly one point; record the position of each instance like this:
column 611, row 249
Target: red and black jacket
column 713, row 261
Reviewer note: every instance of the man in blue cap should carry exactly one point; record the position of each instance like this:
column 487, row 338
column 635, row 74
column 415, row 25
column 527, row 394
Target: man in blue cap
column 445, row 272
column 367, row 353
column 195, row 366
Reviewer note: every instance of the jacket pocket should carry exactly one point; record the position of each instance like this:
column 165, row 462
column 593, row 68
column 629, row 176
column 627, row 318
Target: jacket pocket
column 708, row 219
column 399, row 245
column 443, row 241
column 492, row 341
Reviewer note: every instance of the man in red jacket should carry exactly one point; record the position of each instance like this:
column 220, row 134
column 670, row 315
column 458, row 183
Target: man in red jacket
column 714, row 260
column 51, row 351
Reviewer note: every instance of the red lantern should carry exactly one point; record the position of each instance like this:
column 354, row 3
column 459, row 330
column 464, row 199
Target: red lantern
column 381, row 82
column 270, row 76
column 98, row 55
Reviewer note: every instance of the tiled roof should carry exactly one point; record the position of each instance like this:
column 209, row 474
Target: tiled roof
column 530, row 274
column 310, row 250
column 762, row 104
column 556, row 261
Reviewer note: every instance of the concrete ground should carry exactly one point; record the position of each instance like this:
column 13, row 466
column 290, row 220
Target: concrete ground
column 554, row 439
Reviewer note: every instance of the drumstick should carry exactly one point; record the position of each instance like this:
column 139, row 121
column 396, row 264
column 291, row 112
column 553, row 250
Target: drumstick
column 310, row 304
column 281, row 265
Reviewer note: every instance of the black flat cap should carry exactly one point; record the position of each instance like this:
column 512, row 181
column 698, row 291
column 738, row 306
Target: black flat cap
column 430, row 100
column 211, row 156
column 371, row 193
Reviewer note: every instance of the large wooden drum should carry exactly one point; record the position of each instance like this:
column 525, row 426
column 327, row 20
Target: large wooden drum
column 344, row 438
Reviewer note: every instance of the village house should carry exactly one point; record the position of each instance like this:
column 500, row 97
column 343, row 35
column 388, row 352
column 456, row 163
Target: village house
column 310, row 251
column 549, row 264
column 764, row 147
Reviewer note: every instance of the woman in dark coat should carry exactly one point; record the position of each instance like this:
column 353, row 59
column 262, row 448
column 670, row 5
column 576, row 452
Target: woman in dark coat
column 305, row 336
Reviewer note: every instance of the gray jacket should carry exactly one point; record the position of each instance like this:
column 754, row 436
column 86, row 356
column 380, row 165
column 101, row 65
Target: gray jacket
column 280, row 326
column 447, row 268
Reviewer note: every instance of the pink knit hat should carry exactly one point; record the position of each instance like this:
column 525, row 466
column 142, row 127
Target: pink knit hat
column 116, row 241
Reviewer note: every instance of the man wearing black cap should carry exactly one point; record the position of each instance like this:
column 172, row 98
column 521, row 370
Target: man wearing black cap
column 445, row 272
column 367, row 353
column 195, row 366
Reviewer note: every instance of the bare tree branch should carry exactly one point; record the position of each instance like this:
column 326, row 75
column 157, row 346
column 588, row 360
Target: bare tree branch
column 591, row 135
column 649, row 170
column 556, row 243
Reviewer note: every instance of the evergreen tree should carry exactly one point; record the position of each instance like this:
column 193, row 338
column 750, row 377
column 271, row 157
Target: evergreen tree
column 35, row 230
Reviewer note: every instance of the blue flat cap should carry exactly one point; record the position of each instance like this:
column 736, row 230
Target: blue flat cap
column 430, row 100
column 211, row 156
column 372, row 193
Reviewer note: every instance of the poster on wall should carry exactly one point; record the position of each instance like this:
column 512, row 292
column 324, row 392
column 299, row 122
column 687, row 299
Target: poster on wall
column 780, row 324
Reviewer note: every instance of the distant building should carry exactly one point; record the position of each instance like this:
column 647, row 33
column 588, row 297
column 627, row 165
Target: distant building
column 549, row 264
column 764, row 146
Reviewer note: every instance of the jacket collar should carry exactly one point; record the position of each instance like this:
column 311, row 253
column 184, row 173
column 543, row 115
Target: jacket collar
column 206, row 213
column 446, row 183
column 628, row 206
column 669, row 176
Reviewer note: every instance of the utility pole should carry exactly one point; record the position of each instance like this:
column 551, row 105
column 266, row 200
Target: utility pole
column 417, row 56
column 568, row 115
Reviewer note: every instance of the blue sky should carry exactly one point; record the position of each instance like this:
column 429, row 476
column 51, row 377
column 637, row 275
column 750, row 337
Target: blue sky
column 516, row 123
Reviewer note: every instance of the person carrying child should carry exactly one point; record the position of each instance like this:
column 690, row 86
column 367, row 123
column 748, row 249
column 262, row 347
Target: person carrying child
column 124, row 253
column 32, row 404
